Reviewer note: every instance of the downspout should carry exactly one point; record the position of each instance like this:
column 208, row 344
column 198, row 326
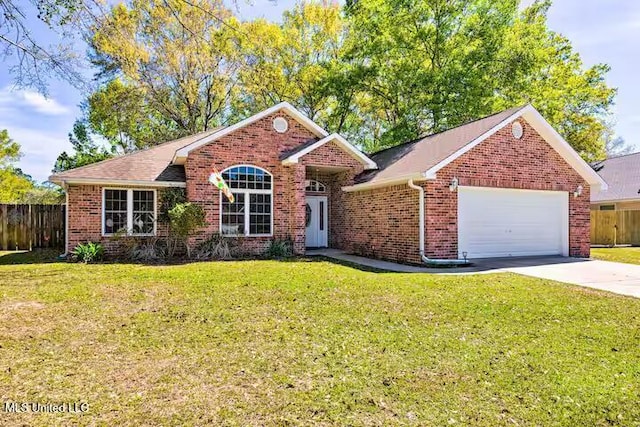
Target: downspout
column 66, row 220
column 430, row 261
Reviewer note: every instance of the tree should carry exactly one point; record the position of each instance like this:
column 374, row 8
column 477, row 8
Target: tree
column 616, row 146
column 33, row 63
column 184, row 219
column 540, row 66
column 9, row 149
column 86, row 151
column 180, row 54
column 296, row 61
column 424, row 65
column 15, row 185
column 429, row 65
column 119, row 112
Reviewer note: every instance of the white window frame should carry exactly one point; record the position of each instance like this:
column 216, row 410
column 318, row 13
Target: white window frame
column 320, row 187
column 247, row 192
column 130, row 211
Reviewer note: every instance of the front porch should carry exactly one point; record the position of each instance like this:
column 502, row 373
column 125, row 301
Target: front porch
column 323, row 213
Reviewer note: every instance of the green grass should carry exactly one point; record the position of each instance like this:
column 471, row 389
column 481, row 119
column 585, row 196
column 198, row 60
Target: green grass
column 624, row 254
column 312, row 343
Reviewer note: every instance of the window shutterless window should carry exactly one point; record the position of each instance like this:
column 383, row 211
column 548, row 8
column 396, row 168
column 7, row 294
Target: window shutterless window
column 251, row 214
column 129, row 211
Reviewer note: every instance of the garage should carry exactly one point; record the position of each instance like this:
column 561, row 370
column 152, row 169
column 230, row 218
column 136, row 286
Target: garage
column 499, row 222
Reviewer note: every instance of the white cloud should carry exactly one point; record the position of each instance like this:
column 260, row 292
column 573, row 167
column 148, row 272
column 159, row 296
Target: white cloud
column 32, row 101
column 40, row 148
column 39, row 124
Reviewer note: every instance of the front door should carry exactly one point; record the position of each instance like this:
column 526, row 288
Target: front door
column 317, row 231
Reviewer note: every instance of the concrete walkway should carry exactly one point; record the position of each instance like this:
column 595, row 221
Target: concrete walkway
column 367, row 262
column 609, row 276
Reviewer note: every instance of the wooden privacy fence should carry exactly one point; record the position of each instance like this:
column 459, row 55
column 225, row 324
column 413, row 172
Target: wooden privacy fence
column 615, row 227
column 26, row 227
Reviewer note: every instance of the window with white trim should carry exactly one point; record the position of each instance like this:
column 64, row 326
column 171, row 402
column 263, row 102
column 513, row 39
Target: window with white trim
column 251, row 213
column 315, row 186
column 129, row 211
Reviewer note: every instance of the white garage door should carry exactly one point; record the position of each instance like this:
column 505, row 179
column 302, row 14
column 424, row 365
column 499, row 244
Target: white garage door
column 503, row 222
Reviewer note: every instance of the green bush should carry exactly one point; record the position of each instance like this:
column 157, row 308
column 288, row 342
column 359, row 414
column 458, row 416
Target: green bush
column 169, row 199
column 280, row 248
column 185, row 218
column 88, row 252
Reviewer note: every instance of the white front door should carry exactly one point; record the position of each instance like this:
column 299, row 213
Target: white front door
column 317, row 231
column 498, row 222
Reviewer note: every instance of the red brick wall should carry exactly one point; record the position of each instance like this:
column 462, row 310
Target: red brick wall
column 257, row 144
column 505, row 162
column 333, row 155
column 381, row 223
column 260, row 145
column 85, row 218
column 384, row 222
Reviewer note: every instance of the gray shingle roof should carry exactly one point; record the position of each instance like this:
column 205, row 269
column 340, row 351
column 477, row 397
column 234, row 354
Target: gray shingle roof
column 622, row 174
column 152, row 164
column 421, row 154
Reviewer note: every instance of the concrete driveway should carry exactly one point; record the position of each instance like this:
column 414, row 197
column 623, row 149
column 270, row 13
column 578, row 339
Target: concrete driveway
column 609, row 276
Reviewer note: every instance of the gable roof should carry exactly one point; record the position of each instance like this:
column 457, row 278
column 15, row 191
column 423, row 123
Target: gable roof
column 422, row 158
column 162, row 165
column 622, row 174
column 181, row 154
column 419, row 155
column 152, row 165
column 294, row 156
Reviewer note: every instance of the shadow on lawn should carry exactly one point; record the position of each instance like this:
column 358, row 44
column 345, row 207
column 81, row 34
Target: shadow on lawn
column 37, row 256
column 49, row 256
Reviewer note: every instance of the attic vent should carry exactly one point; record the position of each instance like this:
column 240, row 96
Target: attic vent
column 516, row 130
column 280, row 124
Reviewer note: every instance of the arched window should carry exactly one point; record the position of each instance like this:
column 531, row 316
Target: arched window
column 315, row 186
column 251, row 213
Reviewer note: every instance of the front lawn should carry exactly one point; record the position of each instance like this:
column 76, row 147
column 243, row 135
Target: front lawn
column 312, row 343
column 625, row 254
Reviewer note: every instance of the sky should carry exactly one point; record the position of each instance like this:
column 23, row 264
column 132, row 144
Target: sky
column 600, row 30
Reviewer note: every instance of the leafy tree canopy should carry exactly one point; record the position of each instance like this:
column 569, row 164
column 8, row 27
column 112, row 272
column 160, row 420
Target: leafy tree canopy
column 381, row 72
column 85, row 150
column 15, row 185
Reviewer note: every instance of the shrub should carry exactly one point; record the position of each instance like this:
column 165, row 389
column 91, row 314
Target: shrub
column 88, row 252
column 280, row 248
column 170, row 198
column 185, row 218
column 148, row 250
column 215, row 247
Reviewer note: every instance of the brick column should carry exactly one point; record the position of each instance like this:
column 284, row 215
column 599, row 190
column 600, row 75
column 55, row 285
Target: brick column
column 298, row 204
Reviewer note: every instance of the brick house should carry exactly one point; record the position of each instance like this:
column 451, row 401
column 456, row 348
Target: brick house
column 504, row 185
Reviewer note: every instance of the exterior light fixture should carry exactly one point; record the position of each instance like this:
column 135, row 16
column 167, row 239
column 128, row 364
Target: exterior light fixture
column 578, row 191
column 454, row 184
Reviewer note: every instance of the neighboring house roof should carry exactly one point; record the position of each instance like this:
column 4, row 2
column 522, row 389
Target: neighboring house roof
column 293, row 156
column 422, row 158
column 152, row 165
column 622, row 174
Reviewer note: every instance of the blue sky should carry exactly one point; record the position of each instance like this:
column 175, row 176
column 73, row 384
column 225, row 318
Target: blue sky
column 601, row 31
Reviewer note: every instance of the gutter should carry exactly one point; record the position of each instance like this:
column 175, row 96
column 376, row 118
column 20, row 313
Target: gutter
column 62, row 181
column 431, row 261
column 66, row 220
